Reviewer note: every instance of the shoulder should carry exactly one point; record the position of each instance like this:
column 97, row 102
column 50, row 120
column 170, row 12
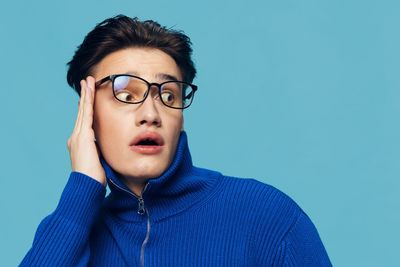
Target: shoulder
column 252, row 198
column 262, row 203
column 279, row 223
column 261, row 195
column 272, row 221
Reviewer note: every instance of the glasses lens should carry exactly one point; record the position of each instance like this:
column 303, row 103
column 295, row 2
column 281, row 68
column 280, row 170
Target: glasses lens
column 129, row 89
column 173, row 94
column 176, row 94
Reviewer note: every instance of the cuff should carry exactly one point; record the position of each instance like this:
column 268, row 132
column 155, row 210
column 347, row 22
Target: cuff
column 81, row 199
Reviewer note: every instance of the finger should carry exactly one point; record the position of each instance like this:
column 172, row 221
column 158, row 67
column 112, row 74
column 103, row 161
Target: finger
column 88, row 110
column 90, row 82
column 81, row 107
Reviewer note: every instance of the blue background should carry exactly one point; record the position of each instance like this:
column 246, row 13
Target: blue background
column 303, row 95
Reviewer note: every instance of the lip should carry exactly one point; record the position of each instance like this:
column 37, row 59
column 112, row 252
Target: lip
column 149, row 149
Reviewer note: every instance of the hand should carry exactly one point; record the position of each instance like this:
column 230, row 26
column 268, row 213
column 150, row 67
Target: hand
column 82, row 148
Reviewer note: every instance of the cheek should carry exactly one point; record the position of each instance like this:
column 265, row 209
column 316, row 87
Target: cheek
column 176, row 125
column 106, row 124
column 172, row 119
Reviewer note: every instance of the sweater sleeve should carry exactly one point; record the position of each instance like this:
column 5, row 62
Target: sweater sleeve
column 302, row 246
column 62, row 238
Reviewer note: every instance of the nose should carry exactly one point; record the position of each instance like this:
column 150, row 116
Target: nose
column 147, row 112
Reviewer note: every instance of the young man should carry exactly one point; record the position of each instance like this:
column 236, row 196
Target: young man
column 134, row 79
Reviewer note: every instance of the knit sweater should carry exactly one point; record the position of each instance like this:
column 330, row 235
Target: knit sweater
column 188, row 216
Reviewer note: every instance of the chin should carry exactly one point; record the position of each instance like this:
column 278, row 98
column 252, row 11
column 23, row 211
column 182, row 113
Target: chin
column 146, row 171
column 146, row 175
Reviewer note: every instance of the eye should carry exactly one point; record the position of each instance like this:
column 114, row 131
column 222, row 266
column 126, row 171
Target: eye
column 168, row 97
column 124, row 96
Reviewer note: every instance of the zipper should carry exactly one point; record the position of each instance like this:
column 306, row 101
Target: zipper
column 141, row 208
column 146, row 239
column 141, row 211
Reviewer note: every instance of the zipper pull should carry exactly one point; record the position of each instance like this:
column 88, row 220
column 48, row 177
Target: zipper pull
column 141, row 209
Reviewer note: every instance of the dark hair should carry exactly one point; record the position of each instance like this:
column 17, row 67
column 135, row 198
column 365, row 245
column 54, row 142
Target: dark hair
column 121, row 32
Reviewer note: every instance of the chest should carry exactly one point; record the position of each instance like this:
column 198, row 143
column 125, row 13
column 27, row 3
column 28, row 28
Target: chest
column 204, row 239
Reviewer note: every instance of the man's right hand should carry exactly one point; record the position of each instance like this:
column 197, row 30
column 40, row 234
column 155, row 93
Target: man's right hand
column 82, row 148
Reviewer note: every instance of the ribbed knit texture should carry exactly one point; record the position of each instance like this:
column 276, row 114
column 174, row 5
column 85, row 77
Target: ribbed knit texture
column 194, row 217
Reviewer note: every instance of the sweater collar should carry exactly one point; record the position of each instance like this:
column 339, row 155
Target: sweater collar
column 179, row 187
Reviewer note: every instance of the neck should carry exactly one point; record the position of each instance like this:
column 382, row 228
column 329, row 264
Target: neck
column 135, row 186
column 175, row 190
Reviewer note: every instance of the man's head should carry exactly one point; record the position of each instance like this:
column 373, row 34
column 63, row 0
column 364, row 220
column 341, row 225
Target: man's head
column 121, row 32
column 137, row 140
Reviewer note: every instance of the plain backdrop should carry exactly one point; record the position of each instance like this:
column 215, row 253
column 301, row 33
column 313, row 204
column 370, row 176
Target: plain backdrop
column 303, row 95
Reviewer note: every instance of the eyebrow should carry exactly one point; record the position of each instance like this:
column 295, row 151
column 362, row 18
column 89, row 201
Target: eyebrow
column 160, row 76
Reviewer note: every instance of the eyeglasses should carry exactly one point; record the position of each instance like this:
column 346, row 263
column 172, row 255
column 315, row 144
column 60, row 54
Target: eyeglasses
column 131, row 89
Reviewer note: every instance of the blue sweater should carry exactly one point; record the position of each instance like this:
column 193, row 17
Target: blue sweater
column 186, row 217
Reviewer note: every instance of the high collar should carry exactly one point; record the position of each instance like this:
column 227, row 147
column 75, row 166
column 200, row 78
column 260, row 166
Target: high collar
column 178, row 188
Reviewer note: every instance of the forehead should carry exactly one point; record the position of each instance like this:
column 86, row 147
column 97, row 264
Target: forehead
column 148, row 63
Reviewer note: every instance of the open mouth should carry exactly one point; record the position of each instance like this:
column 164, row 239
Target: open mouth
column 147, row 143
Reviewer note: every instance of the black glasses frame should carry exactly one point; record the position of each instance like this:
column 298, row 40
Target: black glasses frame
column 149, row 85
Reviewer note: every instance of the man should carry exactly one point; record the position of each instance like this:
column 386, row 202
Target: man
column 134, row 79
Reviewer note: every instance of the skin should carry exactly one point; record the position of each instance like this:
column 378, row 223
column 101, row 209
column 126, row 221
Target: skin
column 115, row 124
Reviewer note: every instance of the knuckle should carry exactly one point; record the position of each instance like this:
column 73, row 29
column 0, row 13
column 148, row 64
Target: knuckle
column 72, row 139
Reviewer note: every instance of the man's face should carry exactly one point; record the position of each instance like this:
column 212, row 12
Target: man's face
column 121, row 129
